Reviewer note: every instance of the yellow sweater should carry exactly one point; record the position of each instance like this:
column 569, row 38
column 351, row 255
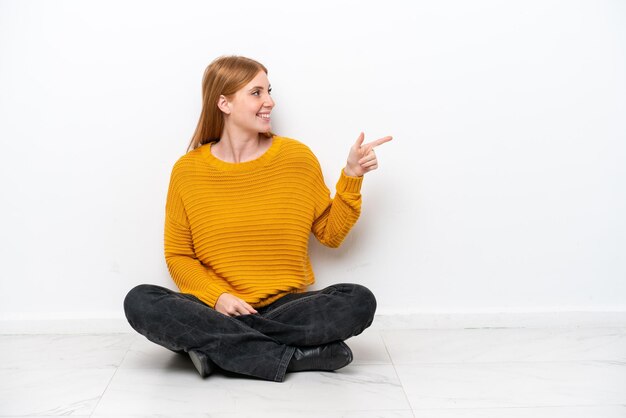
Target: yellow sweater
column 243, row 228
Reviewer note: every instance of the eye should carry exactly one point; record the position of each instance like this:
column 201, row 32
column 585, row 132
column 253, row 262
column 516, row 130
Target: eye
column 269, row 91
column 255, row 93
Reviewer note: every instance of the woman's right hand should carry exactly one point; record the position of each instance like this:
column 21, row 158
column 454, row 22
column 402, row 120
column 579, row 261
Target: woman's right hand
column 233, row 306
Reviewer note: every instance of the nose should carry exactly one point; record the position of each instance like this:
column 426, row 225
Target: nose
column 269, row 102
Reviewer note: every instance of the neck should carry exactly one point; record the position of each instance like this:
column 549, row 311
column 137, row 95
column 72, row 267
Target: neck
column 236, row 147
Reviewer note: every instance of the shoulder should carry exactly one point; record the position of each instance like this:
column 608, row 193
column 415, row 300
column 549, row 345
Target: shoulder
column 292, row 148
column 186, row 167
column 298, row 160
column 189, row 161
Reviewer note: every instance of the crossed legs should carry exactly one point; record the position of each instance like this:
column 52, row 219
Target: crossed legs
column 259, row 345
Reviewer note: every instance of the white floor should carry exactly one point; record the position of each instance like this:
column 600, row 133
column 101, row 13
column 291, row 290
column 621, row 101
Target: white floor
column 486, row 373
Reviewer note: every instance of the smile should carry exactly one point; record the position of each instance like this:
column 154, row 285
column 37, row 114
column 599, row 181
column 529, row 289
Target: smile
column 264, row 115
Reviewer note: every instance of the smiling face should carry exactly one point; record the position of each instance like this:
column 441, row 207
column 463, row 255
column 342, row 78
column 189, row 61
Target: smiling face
column 249, row 109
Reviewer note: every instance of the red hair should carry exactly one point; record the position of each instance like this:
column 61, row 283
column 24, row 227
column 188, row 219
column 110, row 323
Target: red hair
column 224, row 76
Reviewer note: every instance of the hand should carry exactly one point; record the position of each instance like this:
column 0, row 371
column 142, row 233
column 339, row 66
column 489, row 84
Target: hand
column 233, row 306
column 362, row 158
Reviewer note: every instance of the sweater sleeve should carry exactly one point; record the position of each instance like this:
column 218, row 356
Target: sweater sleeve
column 189, row 274
column 338, row 215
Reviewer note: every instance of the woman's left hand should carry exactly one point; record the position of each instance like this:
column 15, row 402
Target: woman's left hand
column 362, row 158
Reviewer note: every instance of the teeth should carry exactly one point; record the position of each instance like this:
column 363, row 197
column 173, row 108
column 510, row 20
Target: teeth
column 263, row 115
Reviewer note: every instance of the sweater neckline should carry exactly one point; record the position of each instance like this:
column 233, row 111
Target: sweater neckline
column 246, row 165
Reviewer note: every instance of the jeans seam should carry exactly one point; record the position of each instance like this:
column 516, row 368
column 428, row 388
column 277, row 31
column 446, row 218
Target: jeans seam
column 286, row 307
column 284, row 363
column 248, row 328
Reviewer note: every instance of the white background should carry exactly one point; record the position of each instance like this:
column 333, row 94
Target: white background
column 503, row 191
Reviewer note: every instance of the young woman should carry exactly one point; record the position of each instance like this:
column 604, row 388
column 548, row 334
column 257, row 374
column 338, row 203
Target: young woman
column 240, row 208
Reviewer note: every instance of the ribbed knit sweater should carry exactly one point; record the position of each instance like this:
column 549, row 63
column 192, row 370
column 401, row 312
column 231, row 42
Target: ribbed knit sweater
column 244, row 228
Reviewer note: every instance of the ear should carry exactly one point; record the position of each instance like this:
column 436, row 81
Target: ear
column 223, row 105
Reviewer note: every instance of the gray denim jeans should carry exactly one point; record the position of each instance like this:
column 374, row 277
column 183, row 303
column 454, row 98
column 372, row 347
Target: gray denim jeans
column 259, row 345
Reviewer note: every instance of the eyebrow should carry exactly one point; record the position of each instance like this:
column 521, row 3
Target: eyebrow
column 259, row 87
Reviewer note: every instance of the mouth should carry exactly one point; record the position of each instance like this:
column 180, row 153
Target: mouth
column 264, row 116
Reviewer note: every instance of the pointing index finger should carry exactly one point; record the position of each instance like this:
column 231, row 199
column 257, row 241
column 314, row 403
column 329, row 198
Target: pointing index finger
column 380, row 141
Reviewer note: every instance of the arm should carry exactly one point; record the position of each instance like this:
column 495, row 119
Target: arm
column 189, row 274
column 192, row 277
column 340, row 214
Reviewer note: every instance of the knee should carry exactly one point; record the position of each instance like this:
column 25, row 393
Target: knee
column 138, row 301
column 368, row 302
column 363, row 302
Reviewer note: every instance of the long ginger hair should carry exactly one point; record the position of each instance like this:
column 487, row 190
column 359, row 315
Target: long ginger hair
column 224, row 76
